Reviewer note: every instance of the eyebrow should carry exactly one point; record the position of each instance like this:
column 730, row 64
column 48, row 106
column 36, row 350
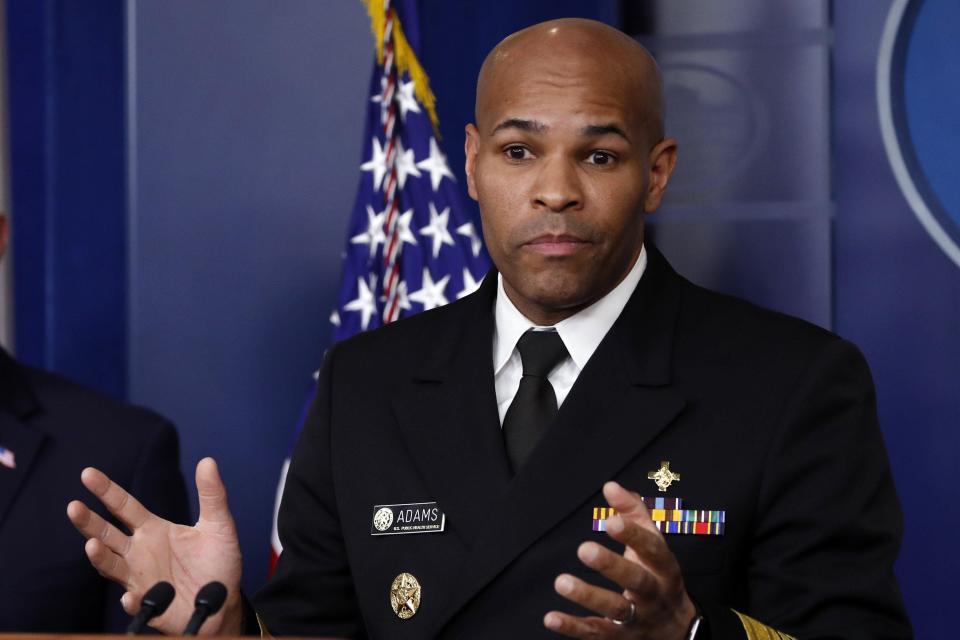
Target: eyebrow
column 595, row 130
column 531, row 126
column 534, row 126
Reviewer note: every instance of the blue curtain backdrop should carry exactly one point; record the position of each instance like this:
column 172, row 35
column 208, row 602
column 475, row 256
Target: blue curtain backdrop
column 182, row 173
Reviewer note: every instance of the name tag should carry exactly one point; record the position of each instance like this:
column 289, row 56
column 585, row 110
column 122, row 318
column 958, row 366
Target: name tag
column 415, row 517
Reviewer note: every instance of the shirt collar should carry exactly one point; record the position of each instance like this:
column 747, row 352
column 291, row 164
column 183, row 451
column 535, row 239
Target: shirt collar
column 581, row 333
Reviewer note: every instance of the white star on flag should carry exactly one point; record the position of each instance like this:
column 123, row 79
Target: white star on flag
column 438, row 229
column 436, row 164
column 403, row 300
column 469, row 284
column 476, row 244
column 364, row 302
column 378, row 98
column 406, row 99
column 374, row 235
column 377, row 163
column 403, row 228
column 405, row 164
column 335, row 318
column 431, row 294
column 7, row 458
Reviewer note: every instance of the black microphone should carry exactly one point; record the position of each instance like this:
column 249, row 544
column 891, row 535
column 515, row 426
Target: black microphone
column 155, row 602
column 209, row 600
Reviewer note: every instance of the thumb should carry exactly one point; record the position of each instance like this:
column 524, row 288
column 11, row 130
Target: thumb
column 212, row 496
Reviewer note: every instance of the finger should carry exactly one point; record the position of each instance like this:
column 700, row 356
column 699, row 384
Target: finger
column 120, row 503
column 130, row 603
column 212, row 495
column 106, row 562
column 577, row 627
column 646, row 544
column 92, row 525
column 626, row 503
column 603, row 601
column 630, row 575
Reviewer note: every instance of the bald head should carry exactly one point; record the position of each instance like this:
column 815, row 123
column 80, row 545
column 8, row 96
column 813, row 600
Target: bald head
column 566, row 157
column 566, row 51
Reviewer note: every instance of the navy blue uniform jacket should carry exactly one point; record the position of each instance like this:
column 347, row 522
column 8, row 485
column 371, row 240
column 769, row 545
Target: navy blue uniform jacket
column 764, row 416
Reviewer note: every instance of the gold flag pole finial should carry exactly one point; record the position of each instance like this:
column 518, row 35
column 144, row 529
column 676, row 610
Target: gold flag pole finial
column 404, row 58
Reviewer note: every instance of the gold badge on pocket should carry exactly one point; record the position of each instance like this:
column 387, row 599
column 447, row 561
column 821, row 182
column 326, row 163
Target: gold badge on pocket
column 405, row 596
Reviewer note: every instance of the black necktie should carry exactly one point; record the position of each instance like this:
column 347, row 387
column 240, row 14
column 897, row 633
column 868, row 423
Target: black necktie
column 535, row 405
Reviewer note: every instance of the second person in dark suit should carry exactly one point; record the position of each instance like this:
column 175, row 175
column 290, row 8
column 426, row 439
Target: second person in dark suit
column 50, row 429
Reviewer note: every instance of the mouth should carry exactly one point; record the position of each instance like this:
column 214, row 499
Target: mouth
column 557, row 245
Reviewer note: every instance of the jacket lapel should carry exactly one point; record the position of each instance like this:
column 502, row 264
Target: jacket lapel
column 620, row 402
column 448, row 416
column 17, row 404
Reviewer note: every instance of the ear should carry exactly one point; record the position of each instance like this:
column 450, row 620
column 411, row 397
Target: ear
column 663, row 158
column 471, row 146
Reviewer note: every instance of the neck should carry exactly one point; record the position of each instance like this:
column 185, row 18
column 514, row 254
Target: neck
column 542, row 316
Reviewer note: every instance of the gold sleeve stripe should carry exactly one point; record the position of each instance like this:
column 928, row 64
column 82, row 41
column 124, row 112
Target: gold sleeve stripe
column 759, row 631
column 264, row 632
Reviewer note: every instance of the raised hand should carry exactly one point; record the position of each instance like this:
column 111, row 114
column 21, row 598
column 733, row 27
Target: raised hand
column 653, row 605
column 186, row 557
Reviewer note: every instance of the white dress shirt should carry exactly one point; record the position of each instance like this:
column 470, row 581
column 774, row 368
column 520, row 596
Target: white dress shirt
column 581, row 334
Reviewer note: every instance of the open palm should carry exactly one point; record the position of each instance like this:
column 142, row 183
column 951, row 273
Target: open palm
column 186, row 557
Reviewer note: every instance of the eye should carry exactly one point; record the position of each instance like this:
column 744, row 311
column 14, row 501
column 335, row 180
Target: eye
column 517, row 152
column 601, row 157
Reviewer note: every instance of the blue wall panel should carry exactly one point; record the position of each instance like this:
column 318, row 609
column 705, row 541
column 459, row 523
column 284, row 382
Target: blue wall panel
column 30, row 93
column 68, row 188
column 898, row 297
column 246, row 141
column 749, row 208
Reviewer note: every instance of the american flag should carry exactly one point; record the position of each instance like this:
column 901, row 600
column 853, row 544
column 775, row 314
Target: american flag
column 7, row 459
column 413, row 242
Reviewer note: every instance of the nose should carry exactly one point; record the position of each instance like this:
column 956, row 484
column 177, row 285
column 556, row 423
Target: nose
column 558, row 187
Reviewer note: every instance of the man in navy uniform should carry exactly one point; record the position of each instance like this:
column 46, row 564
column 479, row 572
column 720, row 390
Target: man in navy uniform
column 50, row 428
column 585, row 375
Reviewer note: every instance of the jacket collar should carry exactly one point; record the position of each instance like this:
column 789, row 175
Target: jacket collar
column 645, row 327
column 16, row 394
column 18, row 404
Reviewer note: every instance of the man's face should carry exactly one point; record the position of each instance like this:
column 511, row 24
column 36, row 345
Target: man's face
column 560, row 164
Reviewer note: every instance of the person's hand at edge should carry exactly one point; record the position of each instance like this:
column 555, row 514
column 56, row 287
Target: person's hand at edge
column 156, row 549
